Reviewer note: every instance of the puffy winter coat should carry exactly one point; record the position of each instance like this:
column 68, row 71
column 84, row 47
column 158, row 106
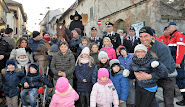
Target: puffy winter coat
column 111, row 52
column 104, row 95
column 10, row 82
column 121, row 85
column 84, row 72
column 65, row 99
column 125, row 63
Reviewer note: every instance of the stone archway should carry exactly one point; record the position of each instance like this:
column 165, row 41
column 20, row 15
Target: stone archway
column 120, row 24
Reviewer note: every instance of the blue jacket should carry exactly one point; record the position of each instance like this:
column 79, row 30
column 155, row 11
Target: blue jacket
column 10, row 81
column 160, row 71
column 35, row 81
column 34, row 44
column 84, row 72
column 121, row 85
column 125, row 63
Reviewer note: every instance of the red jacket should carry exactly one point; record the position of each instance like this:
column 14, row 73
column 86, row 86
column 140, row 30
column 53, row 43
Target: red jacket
column 177, row 45
column 164, row 39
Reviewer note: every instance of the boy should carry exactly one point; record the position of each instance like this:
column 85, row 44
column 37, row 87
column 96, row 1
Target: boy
column 94, row 52
column 32, row 81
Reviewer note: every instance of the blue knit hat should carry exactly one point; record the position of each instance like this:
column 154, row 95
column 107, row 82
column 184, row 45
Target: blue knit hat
column 34, row 65
column 10, row 61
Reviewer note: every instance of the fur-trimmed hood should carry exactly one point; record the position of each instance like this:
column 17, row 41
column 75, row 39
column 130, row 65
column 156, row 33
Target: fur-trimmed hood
column 4, row 71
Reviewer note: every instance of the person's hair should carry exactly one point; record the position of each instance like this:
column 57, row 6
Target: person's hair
column 107, row 38
column 91, row 60
column 92, row 44
column 42, row 49
column 8, row 30
column 18, row 44
column 3, row 30
column 25, row 36
column 85, row 38
column 45, row 33
column 63, row 43
column 101, row 65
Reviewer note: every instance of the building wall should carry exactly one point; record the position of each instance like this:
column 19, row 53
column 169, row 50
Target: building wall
column 11, row 21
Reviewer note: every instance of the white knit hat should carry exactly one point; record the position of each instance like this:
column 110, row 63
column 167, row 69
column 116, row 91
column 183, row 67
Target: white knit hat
column 21, row 51
column 102, row 54
column 86, row 50
column 140, row 46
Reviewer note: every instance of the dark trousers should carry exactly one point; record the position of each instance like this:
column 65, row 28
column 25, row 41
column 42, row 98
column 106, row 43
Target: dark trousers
column 84, row 98
column 168, row 85
column 143, row 98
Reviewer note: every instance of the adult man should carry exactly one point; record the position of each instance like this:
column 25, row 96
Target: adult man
column 177, row 48
column 165, row 38
column 114, row 37
column 162, row 53
column 7, row 37
column 76, row 23
column 94, row 37
column 15, row 38
column 131, row 41
column 35, row 41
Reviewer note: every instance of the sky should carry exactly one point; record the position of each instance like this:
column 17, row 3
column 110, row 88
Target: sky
column 33, row 8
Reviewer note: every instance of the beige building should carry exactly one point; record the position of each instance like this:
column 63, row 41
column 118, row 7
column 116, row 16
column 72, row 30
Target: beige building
column 21, row 17
column 3, row 12
column 126, row 13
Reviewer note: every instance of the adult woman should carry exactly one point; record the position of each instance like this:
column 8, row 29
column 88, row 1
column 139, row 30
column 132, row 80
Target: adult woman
column 22, row 43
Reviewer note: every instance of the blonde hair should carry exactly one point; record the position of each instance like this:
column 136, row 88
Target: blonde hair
column 107, row 38
column 91, row 60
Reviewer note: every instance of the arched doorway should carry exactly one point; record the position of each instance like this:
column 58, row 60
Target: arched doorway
column 120, row 24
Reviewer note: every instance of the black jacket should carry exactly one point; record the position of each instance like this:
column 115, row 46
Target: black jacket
column 127, row 42
column 5, row 49
column 76, row 24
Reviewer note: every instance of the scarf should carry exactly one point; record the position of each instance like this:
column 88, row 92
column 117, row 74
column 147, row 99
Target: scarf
column 47, row 38
column 142, row 61
column 83, row 46
column 84, row 60
column 64, row 93
column 32, row 74
column 22, row 62
column 151, row 43
column 104, row 83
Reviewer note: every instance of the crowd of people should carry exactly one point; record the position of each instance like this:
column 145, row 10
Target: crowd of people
column 92, row 70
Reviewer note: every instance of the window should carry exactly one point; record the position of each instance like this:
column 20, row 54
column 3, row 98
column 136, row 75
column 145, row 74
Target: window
column 91, row 13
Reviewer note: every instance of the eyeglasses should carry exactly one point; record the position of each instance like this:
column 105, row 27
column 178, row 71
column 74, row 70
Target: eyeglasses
column 140, row 52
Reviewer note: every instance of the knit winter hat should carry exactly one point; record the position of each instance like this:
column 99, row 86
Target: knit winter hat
column 86, row 50
column 103, row 72
column 121, row 47
column 78, row 30
column 102, row 54
column 114, row 62
column 21, row 51
column 62, row 84
column 35, row 34
column 146, row 29
column 140, row 46
column 34, row 65
column 10, row 61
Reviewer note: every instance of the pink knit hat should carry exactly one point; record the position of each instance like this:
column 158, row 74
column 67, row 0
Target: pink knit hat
column 86, row 50
column 103, row 72
column 62, row 84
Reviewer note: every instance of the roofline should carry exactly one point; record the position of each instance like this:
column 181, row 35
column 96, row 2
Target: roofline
column 5, row 6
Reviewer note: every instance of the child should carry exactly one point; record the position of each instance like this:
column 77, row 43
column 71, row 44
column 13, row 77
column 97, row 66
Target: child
column 84, row 43
column 65, row 95
column 84, row 70
column 41, row 57
column 120, row 82
column 102, row 63
column 125, row 59
column 11, row 79
column 103, row 93
column 22, row 59
column 32, row 81
column 145, row 89
column 94, row 52
column 107, row 45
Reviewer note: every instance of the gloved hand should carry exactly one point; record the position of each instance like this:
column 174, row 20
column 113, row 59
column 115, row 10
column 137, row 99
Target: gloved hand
column 154, row 64
column 126, row 72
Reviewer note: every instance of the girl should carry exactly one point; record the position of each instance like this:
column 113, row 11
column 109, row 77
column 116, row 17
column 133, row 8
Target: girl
column 84, row 70
column 107, row 45
column 65, row 95
column 11, row 79
column 125, row 59
column 120, row 82
column 145, row 89
column 102, row 63
column 22, row 43
column 103, row 93
column 41, row 57
column 84, row 43
column 94, row 52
